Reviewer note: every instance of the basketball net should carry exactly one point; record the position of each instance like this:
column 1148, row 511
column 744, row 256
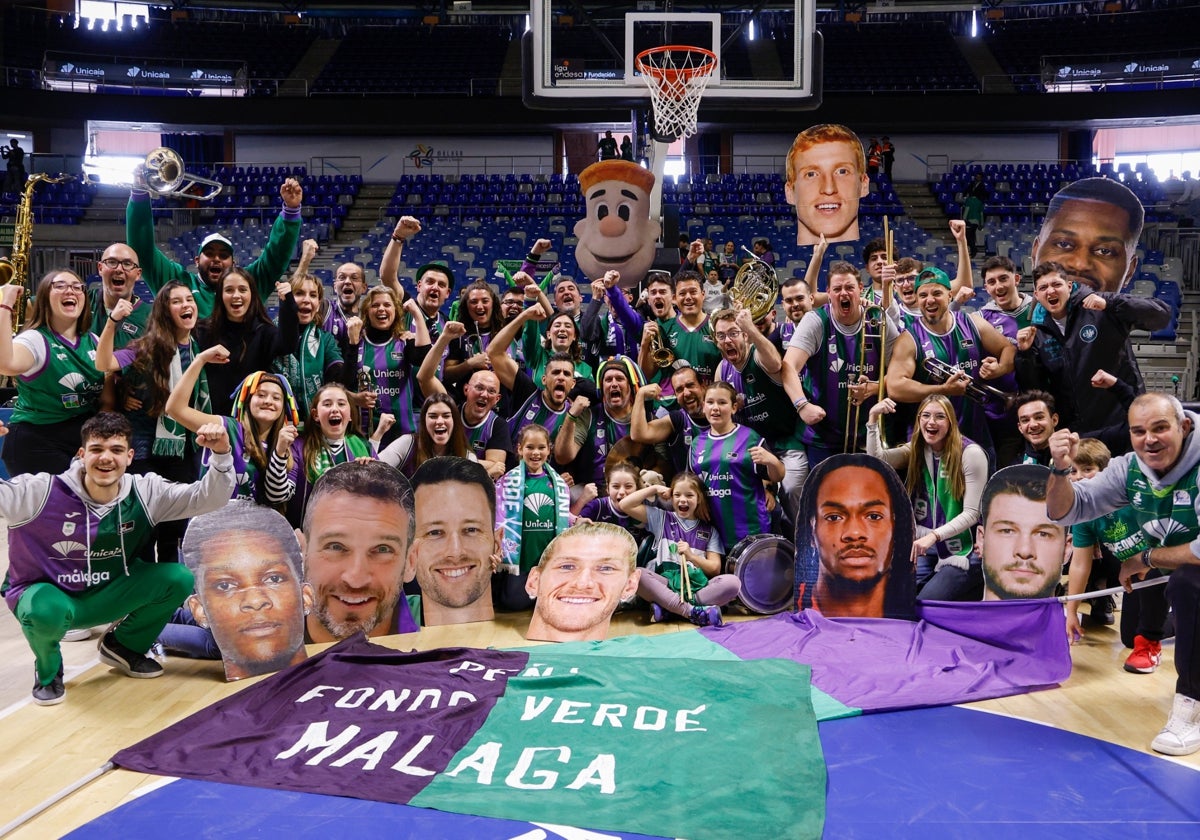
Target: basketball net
column 676, row 77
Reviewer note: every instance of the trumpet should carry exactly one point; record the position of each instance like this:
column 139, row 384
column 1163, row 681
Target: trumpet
column 660, row 351
column 940, row 372
column 755, row 287
column 874, row 327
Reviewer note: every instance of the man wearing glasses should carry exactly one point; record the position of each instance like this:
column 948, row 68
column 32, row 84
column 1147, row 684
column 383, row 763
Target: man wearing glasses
column 119, row 270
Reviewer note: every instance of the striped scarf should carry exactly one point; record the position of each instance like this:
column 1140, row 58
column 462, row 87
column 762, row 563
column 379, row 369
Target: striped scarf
column 510, row 499
column 170, row 437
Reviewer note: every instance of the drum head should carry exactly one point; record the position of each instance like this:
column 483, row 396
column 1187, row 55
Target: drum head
column 766, row 566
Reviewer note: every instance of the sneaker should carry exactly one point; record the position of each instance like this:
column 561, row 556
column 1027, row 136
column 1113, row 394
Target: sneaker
column 657, row 616
column 706, row 616
column 79, row 634
column 52, row 693
column 1181, row 735
column 129, row 662
column 1102, row 611
column 1145, row 657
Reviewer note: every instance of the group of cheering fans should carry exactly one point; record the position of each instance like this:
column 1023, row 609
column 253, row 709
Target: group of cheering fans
column 691, row 430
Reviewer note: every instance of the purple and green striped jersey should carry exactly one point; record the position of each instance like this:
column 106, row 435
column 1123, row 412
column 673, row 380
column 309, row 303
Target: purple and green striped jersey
column 768, row 410
column 840, row 358
column 959, row 347
column 391, row 367
column 736, row 494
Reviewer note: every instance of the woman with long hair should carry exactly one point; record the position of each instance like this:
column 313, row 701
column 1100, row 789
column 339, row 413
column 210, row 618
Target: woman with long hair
column 945, row 474
column 58, row 386
column 479, row 312
column 261, row 428
column 439, row 432
column 150, row 367
column 387, row 357
column 316, row 357
column 240, row 324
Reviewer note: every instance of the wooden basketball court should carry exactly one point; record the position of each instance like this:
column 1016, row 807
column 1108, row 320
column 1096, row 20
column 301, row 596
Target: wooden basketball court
column 49, row 748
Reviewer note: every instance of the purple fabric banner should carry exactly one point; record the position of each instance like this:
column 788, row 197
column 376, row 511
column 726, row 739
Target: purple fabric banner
column 300, row 729
column 955, row 653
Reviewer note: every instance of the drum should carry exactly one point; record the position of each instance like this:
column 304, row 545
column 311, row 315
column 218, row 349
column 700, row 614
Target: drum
column 766, row 566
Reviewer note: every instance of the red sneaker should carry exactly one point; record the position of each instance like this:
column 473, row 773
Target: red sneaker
column 1145, row 657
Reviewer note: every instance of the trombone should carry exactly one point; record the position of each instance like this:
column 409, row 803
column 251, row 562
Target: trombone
column 874, row 325
column 873, row 331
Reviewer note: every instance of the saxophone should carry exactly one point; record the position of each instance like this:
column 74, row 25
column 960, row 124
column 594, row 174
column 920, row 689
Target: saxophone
column 15, row 267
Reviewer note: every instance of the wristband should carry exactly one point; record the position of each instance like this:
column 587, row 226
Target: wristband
column 532, row 257
column 1063, row 472
column 6, row 306
column 1146, row 558
column 396, row 238
column 800, row 403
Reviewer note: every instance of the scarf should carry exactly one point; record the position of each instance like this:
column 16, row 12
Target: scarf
column 170, row 437
column 510, row 497
column 354, row 447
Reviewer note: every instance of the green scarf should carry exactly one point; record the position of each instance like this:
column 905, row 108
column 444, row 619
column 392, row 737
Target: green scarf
column 510, row 497
column 357, row 447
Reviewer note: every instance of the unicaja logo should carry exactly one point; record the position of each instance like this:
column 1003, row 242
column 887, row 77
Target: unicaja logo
column 66, row 68
column 197, row 74
column 1131, row 67
column 133, row 72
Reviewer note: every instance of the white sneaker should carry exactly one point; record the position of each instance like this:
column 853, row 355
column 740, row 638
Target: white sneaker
column 1181, row 735
column 80, row 634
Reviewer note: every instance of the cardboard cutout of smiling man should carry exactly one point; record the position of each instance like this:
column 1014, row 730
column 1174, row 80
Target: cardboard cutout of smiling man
column 618, row 233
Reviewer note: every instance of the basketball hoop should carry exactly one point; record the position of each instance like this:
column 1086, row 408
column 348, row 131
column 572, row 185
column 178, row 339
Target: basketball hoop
column 676, row 77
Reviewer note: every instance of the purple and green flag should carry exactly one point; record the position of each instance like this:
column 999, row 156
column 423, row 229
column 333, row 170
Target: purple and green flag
column 667, row 746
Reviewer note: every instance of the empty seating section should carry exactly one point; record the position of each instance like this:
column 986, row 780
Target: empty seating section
column 455, row 60
column 1022, row 191
column 884, row 57
column 1020, row 44
column 53, row 204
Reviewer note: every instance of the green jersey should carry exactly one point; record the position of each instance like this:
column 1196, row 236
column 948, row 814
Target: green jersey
column 538, row 519
column 66, row 386
column 134, row 325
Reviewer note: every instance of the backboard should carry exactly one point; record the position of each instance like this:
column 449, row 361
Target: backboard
column 582, row 52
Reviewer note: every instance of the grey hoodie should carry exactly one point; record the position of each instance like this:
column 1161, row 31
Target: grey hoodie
column 53, row 522
column 1108, row 491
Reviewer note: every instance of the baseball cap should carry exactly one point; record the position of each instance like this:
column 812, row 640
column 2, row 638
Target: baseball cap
column 214, row 237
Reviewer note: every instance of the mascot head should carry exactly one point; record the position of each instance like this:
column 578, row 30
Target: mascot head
column 617, row 234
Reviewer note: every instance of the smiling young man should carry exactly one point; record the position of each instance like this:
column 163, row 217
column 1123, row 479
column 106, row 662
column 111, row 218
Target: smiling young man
column 451, row 554
column 965, row 343
column 825, row 180
column 73, row 541
column 584, row 573
column 1075, row 333
column 1036, row 420
column 1091, row 229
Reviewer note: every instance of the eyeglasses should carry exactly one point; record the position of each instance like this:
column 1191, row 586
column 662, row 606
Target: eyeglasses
column 66, row 286
column 732, row 335
column 114, row 263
